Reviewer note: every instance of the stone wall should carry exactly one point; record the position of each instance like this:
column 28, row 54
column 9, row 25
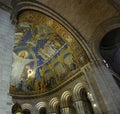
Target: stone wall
column 6, row 48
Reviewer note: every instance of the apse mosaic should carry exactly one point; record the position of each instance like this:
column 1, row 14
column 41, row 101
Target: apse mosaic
column 45, row 54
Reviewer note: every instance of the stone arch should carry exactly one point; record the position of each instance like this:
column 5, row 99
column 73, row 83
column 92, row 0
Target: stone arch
column 27, row 106
column 101, row 31
column 105, row 75
column 67, row 104
column 16, row 108
column 65, row 98
column 40, row 105
column 83, row 98
column 77, row 90
column 54, row 105
column 36, row 6
column 110, row 51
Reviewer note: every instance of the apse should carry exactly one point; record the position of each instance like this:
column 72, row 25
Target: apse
column 45, row 54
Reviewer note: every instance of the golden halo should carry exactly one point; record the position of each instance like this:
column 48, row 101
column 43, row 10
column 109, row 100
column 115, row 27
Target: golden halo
column 23, row 54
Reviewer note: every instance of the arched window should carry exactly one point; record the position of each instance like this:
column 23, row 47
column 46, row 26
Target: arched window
column 42, row 110
column 26, row 111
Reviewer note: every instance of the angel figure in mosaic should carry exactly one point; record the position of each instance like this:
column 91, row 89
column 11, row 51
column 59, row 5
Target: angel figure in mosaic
column 19, row 62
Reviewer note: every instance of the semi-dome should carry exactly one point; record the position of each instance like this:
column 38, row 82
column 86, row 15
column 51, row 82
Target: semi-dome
column 45, row 54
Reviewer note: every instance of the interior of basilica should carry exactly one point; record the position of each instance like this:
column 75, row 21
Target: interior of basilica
column 60, row 57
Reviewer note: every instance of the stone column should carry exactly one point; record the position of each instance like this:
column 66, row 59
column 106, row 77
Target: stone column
column 52, row 111
column 65, row 110
column 79, row 107
column 33, row 111
column 6, row 50
column 36, row 111
column 103, row 87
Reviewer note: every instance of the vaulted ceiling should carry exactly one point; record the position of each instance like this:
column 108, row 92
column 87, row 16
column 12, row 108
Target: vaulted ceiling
column 48, row 47
column 84, row 15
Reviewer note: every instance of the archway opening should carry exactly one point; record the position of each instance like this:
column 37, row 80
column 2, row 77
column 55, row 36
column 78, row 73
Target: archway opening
column 88, row 109
column 26, row 111
column 58, row 109
column 110, row 51
column 71, row 104
column 42, row 110
column 67, row 103
column 17, row 109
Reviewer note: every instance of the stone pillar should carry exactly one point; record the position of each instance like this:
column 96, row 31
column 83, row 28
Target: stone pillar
column 33, row 111
column 79, row 107
column 36, row 111
column 52, row 111
column 103, row 87
column 66, row 110
column 6, row 50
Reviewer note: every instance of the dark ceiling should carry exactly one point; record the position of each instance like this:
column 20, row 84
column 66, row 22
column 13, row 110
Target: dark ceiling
column 111, row 39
